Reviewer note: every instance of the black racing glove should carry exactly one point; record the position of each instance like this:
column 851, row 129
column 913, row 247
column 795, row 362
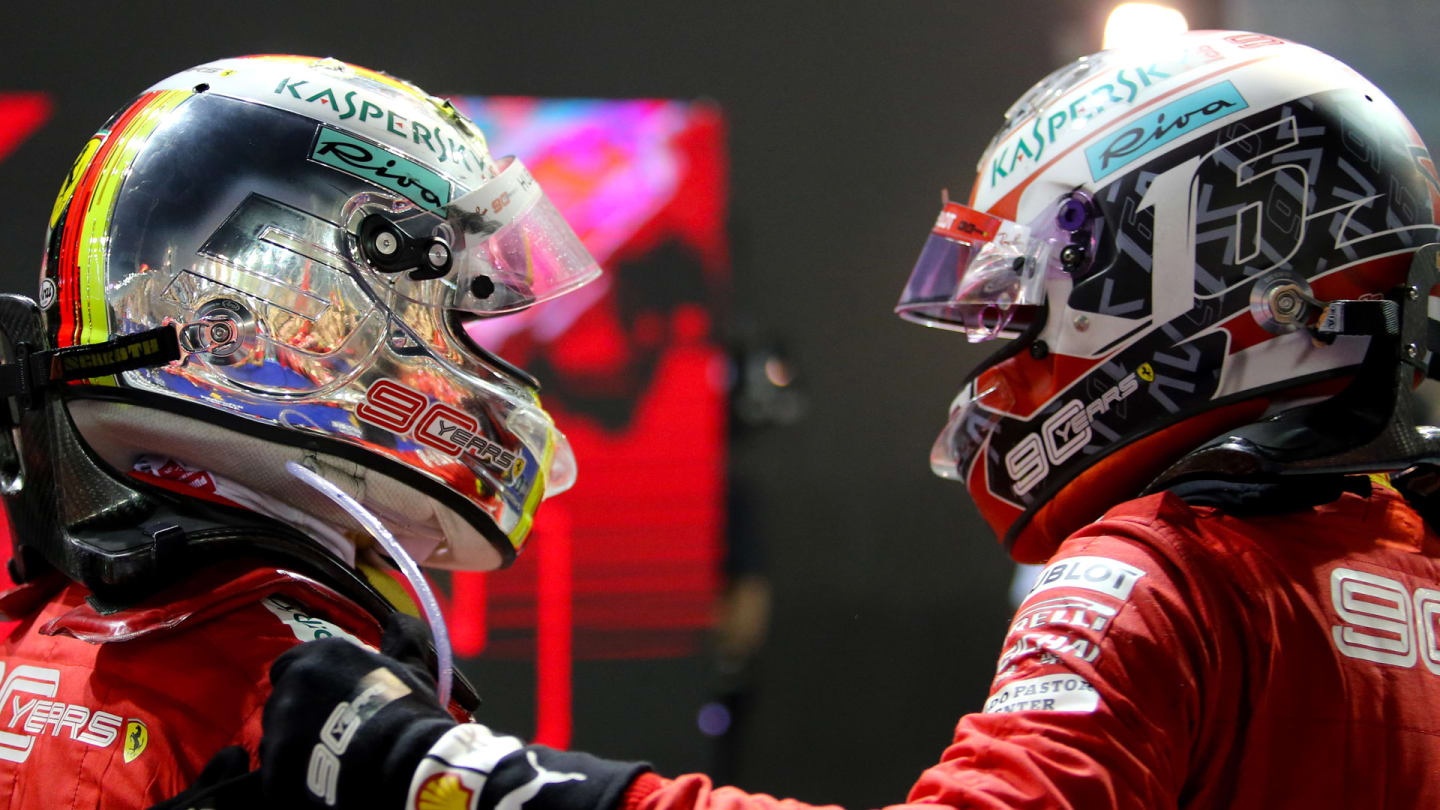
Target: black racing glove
column 345, row 727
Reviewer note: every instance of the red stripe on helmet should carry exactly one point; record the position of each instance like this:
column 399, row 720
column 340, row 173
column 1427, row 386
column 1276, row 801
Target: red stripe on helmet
column 69, row 271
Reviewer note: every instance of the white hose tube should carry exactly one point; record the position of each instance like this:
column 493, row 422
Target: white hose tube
column 445, row 661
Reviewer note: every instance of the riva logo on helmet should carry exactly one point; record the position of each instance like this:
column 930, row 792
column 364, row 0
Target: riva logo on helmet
column 1064, row 433
column 370, row 162
column 77, row 170
column 392, row 406
column 26, row 692
column 1153, row 130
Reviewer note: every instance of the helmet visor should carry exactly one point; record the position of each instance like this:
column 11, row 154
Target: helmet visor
column 978, row 274
column 498, row 249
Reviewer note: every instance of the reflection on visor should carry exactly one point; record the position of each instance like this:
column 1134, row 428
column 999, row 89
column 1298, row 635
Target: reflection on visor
column 974, row 415
column 507, row 246
column 977, row 274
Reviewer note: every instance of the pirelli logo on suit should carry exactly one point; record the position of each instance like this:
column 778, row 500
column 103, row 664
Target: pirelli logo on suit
column 1056, row 636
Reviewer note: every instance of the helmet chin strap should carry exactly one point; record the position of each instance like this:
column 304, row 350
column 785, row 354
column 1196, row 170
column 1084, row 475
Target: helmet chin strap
column 1369, row 427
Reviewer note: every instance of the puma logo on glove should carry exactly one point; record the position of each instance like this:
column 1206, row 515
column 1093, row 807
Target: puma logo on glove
column 471, row 767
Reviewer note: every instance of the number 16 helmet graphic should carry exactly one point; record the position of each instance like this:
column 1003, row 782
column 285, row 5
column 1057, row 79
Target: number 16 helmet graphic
column 1158, row 231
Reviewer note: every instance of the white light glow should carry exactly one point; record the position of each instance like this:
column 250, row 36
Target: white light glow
column 1131, row 24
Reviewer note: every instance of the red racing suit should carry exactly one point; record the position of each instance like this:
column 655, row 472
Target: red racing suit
column 124, row 710
column 1173, row 656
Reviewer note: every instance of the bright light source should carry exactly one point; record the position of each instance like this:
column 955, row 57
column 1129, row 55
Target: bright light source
column 1140, row 23
column 778, row 372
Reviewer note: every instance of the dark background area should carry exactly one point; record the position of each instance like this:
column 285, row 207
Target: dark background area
column 845, row 121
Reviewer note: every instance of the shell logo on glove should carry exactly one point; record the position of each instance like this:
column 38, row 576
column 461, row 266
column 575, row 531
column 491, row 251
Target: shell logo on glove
column 443, row 791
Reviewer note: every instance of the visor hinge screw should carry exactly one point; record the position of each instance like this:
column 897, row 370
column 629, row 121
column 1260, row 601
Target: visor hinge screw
column 1413, row 293
column 1071, row 257
column 1287, row 302
column 1073, row 214
column 1081, row 323
column 386, row 243
column 1411, row 350
column 439, row 255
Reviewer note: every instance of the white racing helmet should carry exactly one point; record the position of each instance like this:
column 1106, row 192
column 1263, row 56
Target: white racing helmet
column 1154, row 235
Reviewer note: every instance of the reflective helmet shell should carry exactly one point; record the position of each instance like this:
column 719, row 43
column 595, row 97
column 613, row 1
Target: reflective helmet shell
column 1213, row 168
column 225, row 201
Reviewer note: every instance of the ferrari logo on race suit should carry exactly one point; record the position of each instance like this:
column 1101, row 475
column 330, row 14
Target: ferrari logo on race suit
column 137, row 737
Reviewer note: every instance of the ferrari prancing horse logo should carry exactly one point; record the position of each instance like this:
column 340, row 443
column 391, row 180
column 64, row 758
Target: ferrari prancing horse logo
column 137, row 736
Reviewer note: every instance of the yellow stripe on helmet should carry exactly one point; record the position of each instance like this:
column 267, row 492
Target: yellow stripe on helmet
column 93, row 255
column 522, row 528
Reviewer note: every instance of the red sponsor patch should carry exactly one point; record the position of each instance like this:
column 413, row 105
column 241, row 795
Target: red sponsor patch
column 957, row 221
